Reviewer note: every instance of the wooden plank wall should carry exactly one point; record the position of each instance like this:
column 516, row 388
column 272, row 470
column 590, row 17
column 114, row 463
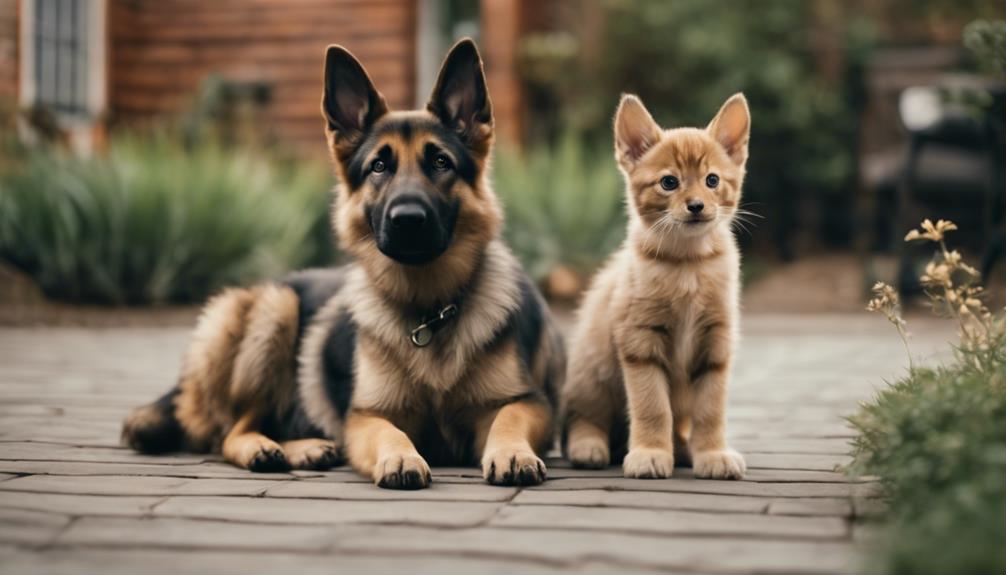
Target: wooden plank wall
column 162, row 49
column 8, row 51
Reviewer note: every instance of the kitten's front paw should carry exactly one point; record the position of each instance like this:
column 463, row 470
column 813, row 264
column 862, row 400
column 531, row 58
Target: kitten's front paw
column 648, row 463
column 509, row 466
column 408, row 471
column 589, row 453
column 725, row 464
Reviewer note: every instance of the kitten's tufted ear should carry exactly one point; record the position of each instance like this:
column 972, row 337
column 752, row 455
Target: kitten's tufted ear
column 635, row 130
column 732, row 128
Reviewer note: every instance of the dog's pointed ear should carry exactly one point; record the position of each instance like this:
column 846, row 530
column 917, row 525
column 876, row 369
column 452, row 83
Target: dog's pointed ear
column 460, row 97
column 732, row 128
column 635, row 130
column 350, row 103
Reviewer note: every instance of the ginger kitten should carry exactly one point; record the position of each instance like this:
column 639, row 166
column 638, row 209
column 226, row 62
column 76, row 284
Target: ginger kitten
column 656, row 331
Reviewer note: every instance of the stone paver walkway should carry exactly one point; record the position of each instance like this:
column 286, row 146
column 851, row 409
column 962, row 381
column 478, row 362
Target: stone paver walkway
column 73, row 501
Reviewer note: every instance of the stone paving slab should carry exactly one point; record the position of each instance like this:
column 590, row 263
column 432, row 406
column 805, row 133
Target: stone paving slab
column 438, row 491
column 34, row 451
column 130, row 562
column 31, row 528
column 136, row 485
column 72, row 500
column 682, row 485
column 78, row 505
column 316, row 511
column 547, row 546
column 670, row 522
column 644, row 500
column 627, row 552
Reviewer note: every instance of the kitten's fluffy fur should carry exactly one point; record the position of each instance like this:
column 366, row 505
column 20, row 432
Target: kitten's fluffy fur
column 657, row 328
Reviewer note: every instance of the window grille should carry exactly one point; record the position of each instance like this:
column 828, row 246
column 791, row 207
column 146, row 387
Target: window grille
column 61, row 65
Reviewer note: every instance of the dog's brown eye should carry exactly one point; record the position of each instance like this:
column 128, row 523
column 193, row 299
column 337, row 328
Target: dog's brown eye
column 378, row 166
column 712, row 180
column 669, row 183
column 441, row 162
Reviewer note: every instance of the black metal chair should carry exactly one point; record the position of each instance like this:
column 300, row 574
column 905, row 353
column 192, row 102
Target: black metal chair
column 953, row 167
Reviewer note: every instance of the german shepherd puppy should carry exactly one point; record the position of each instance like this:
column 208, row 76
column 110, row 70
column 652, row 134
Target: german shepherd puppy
column 432, row 346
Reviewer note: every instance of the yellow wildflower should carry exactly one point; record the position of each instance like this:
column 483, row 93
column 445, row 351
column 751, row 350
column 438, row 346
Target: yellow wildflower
column 931, row 231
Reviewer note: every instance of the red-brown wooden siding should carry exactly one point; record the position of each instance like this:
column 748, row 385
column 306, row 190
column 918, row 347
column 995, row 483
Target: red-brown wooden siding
column 162, row 49
column 8, row 51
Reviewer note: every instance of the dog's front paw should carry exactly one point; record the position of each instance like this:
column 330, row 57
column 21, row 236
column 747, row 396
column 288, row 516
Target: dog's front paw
column 648, row 463
column 312, row 454
column 269, row 458
column 724, row 464
column 589, row 453
column 510, row 466
column 408, row 471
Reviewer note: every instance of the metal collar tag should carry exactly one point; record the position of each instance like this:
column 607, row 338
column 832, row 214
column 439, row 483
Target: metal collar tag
column 423, row 334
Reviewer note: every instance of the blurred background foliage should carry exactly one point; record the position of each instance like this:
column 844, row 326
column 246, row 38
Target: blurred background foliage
column 819, row 76
column 154, row 221
column 564, row 204
column 684, row 58
column 168, row 213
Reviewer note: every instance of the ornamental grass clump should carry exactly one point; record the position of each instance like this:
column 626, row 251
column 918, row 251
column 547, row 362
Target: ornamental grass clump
column 155, row 221
column 937, row 437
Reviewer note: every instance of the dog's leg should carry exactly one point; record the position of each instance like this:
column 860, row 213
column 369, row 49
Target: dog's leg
column 711, row 457
column 262, row 378
column 245, row 447
column 651, row 451
column 378, row 449
column 313, row 453
column 513, row 434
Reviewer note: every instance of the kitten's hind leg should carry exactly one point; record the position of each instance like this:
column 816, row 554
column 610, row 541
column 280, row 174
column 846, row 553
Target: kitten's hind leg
column 587, row 445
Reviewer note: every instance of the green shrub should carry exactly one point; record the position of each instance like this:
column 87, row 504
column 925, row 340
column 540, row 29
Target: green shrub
column 564, row 205
column 152, row 221
column 987, row 40
column 937, row 437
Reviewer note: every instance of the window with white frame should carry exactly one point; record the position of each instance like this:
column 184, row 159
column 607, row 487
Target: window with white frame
column 62, row 56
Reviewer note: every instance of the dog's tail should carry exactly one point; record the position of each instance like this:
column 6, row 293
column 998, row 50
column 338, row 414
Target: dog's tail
column 154, row 428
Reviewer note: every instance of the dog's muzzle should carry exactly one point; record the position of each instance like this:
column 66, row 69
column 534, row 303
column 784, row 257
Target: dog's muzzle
column 411, row 232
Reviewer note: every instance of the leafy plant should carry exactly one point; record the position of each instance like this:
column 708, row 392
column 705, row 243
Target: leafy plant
column 564, row 205
column 987, row 40
column 153, row 221
column 937, row 437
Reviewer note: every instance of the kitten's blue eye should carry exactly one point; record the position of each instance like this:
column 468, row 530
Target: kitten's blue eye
column 669, row 183
column 712, row 180
column 378, row 166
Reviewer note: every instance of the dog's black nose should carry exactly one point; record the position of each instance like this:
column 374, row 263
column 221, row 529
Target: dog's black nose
column 695, row 206
column 408, row 217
